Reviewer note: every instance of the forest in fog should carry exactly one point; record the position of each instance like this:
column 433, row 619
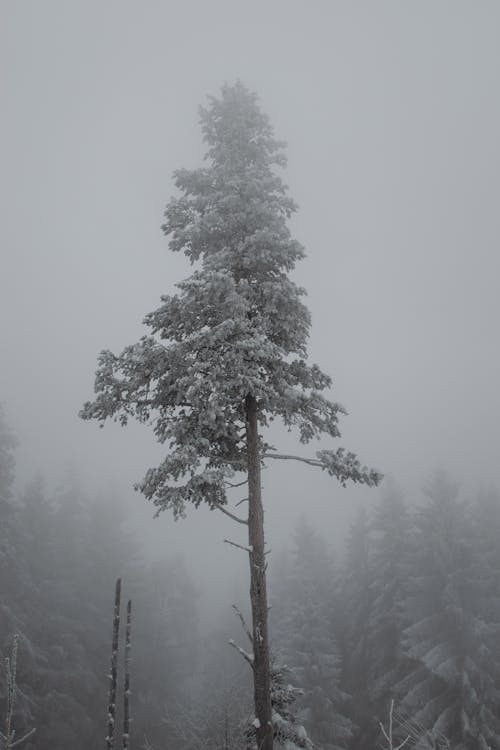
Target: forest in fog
column 300, row 338
column 410, row 613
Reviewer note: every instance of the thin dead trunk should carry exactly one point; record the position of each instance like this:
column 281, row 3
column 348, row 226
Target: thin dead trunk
column 110, row 739
column 7, row 739
column 126, row 692
column 258, row 593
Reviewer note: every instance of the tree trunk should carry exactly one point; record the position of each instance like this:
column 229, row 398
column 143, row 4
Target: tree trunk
column 110, row 739
column 258, row 594
column 126, row 691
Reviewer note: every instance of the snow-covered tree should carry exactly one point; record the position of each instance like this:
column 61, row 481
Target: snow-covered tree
column 289, row 732
column 227, row 353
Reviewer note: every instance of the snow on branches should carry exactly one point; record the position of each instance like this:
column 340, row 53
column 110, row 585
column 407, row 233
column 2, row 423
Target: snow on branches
column 236, row 327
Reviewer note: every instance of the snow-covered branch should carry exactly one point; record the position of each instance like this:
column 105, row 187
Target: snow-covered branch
column 341, row 464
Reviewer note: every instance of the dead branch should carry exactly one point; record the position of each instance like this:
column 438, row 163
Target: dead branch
column 242, row 652
column 231, row 515
column 243, row 623
column 239, row 546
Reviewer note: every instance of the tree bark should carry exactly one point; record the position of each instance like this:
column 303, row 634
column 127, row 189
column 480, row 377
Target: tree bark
column 258, row 593
column 110, row 739
column 126, row 691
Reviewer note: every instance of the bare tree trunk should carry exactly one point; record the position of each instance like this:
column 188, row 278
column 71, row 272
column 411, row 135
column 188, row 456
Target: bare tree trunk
column 258, row 593
column 110, row 739
column 126, row 693
column 10, row 668
column 7, row 741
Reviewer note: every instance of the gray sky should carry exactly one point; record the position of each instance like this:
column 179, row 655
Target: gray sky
column 391, row 111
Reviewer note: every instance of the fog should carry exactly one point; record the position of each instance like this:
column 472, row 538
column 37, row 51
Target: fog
column 391, row 115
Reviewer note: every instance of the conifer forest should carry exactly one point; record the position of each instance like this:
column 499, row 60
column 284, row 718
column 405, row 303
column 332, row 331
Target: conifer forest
column 286, row 534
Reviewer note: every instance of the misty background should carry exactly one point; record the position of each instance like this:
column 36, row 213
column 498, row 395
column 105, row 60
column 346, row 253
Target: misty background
column 391, row 114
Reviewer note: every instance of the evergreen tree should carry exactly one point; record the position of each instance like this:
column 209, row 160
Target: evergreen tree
column 227, row 353
column 213, row 710
column 64, row 680
column 36, row 547
column 71, row 549
column 307, row 641
column 356, row 601
column 15, row 582
column 390, row 570
column 442, row 606
column 485, row 680
column 37, row 518
column 11, row 565
column 289, row 733
column 166, row 644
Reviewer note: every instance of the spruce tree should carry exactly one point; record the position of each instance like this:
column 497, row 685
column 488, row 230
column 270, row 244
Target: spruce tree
column 227, row 353
column 485, row 679
column 11, row 563
column 442, row 606
column 307, row 639
column 166, row 650
column 356, row 601
column 390, row 566
column 15, row 579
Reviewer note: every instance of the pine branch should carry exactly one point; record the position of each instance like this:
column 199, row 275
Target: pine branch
column 340, row 464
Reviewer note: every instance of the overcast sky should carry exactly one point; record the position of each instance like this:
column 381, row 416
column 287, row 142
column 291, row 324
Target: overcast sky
column 391, row 112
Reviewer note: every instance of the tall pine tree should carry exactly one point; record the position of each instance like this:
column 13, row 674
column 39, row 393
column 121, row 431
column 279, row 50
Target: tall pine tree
column 227, row 354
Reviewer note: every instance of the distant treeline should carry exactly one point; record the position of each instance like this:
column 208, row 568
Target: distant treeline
column 411, row 615
column 60, row 554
